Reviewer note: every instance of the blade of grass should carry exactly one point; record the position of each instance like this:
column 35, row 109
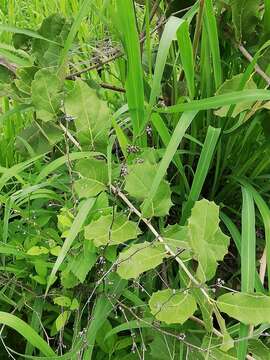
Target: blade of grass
column 186, row 54
column 27, row 332
column 248, row 260
column 180, row 129
column 126, row 21
column 169, row 34
column 202, row 169
column 236, row 236
column 211, row 27
column 72, row 234
column 217, row 101
column 84, row 9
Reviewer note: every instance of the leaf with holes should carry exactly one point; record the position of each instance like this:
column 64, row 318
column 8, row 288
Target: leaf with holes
column 139, row 258
column 172, row 306
column 111, row 230
column 207, row 241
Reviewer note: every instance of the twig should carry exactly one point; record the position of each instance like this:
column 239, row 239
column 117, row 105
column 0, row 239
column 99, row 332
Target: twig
column 112, row 87
column 257, row 68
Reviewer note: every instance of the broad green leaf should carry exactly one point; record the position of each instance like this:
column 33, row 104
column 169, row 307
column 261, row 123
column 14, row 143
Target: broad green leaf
column 40, row 136
column 246, row 19
column 55, row 28
column 258, row 349
column 74, row 305
column 94, row 179
column 139, row 258
column 176, row 237
column 111, row 230
column 206, row 239
column 250, row 309
column 163, row 346
column 172, row 306
column 46, row 95
column 139, row 183
column 37, row 250
column 230, row 85
column 62, row 301
column 15, row 56
column 92, row 116
column 61, row 320
column 25, row 76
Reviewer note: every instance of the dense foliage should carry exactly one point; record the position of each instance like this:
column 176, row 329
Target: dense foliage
column 134, row 179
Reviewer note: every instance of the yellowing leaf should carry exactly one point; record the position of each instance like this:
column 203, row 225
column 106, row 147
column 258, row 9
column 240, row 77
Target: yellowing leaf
column 207, row 241
column 61, row 320
column 55, row 250
column 62, row 301
column 37, row 250
column 250, row 309
column 111, row 230
column 172, row 306
column 139, row 258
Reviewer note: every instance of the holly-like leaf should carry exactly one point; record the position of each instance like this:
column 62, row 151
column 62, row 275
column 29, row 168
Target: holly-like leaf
column 46, row 96
column 138, row 184
column 172, row 306
column 139, row 258
column 111, row 230
column 246, row 19
column 92, row 117
column 250, row 309
column 207, row 241
column 94, row 177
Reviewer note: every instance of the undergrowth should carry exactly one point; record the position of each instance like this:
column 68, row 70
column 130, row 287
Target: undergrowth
column 134, row 179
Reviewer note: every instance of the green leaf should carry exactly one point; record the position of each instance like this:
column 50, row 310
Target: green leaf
column 92, row 116
column 139, row 183
column 25, row 76
column 61, row 320
column 139, row 258
column 206, row 239
column 56, row 28
column 62, row 301
column 250, row 309
column 246, row 18
column 230, row 85
column 111, row 230
column 94, row 177
column 83, row 263
column 46, row 95
column 27, row 332
column 176, row 237
column 74, row 305
column 73, row 232
column 37, row 250
column 172, row 306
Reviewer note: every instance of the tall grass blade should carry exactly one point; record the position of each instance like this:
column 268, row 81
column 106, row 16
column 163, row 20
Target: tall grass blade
column 134, row 78
column 72, row 234
column 202, row 169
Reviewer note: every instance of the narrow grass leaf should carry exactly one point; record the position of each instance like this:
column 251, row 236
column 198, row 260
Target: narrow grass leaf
column 183, row 124
column 217, row 101
column 72, row 234
column 202, row 169
column 26, row 331
column 134, row 78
